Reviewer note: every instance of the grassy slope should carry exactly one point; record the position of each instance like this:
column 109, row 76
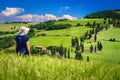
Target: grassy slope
column 52, row 39
column 47, row 68
column 111, row 50
column 58, row 37
column 7, row 27
column 81, row 21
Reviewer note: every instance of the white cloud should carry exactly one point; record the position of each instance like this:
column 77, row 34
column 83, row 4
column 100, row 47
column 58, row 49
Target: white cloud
column 10, row 15
column 11, row 11
column 68, row 17
column 33, row 18
column 41, row 18
column 36, row 18
column 63, row 8
column 25, row 18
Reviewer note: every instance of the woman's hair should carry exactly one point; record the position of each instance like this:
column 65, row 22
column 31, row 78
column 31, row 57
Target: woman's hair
column 23, row 30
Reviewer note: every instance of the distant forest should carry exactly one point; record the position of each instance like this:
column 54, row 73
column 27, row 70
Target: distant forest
column 105, row 14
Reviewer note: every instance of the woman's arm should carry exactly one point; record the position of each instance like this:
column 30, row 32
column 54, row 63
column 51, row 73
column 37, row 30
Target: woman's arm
column 28, row 47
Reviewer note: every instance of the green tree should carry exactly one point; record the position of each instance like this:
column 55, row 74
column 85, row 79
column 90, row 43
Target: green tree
column 68, row 53
column 91, row 48
column 95, row 38
column 31, row 33
column 78, row 55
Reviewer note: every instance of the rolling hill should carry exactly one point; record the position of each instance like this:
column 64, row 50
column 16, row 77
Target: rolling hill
column 105, row 14
column 102, row 65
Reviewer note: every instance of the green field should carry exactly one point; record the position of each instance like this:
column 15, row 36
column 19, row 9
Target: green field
column 58, row 37
column 111, row 50
column 103, row 65
column 8, row 27
column 81, row 21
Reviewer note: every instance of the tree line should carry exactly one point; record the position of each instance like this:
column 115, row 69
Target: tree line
column 104, row 14
column 50, row 25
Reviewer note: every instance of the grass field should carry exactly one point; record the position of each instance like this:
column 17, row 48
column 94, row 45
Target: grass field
column 15, row 67
column 58, row 37
column 111, row 50
column 103, row 65
column 7, row 27
column 81, row 21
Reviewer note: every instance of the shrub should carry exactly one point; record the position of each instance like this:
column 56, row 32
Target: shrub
column 78, row 55
column 37, row 51
column 42, row 34
column 112, row 39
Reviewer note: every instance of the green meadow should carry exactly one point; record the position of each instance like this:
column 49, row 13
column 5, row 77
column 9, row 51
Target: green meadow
column 81, row 21
column 103, row 65
column 58, row 37
column 8, row 27
column 111, row 50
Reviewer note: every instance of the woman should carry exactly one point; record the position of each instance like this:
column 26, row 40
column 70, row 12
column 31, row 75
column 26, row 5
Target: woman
column 22, row 41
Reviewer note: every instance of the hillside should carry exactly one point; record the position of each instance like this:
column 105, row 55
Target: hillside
column 105, row 14
column 63, row 37
column 101, row 65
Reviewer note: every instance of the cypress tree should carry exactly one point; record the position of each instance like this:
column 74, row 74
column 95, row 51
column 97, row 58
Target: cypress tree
column 72, row 42
column 101, row 46
column 81, row 39
column 94, row 23
column 68, row 53
column 77, row 47
column 95, row 49
column 98, row 45
column 95, row 38
column 88, row 24
column 88, row 59
column 61, row 50
column 65, row 52
column 104, row 22
column 91, row 49
column 78, row 55
column 82, row 48
column 76, row 40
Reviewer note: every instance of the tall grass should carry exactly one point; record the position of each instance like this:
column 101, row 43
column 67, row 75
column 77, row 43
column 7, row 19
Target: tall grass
column 13, row 67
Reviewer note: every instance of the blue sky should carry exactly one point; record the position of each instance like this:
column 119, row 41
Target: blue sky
column 58, row 8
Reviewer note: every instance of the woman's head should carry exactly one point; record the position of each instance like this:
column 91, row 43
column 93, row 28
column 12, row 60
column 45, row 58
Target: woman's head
column 23, row 30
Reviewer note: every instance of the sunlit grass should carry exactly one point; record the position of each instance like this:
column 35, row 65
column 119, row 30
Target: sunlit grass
column 7, row 27
column 15, row 67
column 111, row 50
